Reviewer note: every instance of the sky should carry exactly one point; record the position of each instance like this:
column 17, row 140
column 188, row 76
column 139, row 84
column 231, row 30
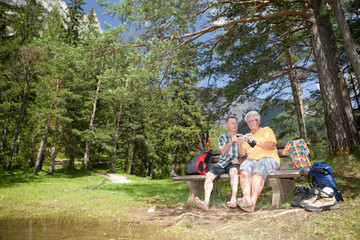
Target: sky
column 99, row 11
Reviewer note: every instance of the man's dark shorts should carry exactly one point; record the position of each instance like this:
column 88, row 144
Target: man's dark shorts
column 218, row 170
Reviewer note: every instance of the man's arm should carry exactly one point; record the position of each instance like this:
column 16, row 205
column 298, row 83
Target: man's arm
column 225, row 149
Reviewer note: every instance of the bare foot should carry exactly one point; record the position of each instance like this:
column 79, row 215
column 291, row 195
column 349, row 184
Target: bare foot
column 248, row 209
column 200, row 204
column 231, row 204
column 244, row 203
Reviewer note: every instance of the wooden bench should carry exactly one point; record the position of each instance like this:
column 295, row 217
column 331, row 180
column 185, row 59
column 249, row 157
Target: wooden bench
column 281, row 181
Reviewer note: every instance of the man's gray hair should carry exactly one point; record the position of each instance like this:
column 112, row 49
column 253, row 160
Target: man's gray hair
column 252, row 113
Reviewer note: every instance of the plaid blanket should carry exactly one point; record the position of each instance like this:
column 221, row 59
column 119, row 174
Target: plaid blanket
column 298, row 152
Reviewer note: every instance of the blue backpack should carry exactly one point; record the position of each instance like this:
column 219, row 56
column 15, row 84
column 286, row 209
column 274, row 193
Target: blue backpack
column 320, row 175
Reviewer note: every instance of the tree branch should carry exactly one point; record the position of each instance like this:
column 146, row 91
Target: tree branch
column 301, row 68
column 231, row 2
column 246, row 20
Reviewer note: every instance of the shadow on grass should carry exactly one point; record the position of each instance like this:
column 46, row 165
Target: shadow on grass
column 27, row 176
column 349, row 186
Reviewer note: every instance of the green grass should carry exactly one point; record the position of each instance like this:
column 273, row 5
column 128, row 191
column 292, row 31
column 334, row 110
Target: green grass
column 72, row 193
column 65, row 193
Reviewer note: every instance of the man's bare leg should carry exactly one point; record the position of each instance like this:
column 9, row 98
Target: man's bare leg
column 258, row 182
column 246, row 186
column 234, row 182
column 208, row 187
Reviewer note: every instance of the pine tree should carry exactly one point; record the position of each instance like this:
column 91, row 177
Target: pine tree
column 75, row 15
column 27, row 70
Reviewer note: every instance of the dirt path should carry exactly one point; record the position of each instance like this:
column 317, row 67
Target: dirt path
column 189, row 222
column 117, row 178
column 223, row 223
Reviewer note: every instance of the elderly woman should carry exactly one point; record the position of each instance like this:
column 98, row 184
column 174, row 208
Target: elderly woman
column 262, row 158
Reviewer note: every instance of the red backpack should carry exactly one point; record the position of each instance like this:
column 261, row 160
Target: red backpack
column 200, row 164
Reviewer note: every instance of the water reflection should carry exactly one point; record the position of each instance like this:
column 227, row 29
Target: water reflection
column 71, row 228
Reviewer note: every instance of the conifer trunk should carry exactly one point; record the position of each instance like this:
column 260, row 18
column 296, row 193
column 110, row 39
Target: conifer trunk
column 42, row 161
column 147, row 166
column 42, row 146
column 86, row 159
column 173, row 163
column 113, row 164
column 53, row 149
column 297, row 98
column 353, row 85
column 299, row 93
column 16, row 150
column 72, row 160
column 131, row 157
column 20, row 119
column 86, row 156
column 126, row 164
column 152, row 169
column 3, row 142
column 339, row 119
column 348, row 41
column 40, row 157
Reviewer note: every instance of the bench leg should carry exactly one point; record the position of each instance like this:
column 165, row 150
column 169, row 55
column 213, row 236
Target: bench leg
column 277, row 197
column 282, row 188
column 195, row 189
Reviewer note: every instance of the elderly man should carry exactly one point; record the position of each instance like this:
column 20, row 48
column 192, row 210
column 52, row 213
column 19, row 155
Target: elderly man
column 262, row 158
column 229, row 163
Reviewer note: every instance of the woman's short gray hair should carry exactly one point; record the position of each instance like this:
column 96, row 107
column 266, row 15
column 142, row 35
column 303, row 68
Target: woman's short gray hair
column 252, row 113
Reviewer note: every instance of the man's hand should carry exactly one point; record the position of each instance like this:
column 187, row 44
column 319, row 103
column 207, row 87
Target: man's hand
column 238, row 139
column 234, row 138
column 227, row 147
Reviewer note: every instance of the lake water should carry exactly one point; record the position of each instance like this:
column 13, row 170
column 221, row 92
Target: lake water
column 69, row 228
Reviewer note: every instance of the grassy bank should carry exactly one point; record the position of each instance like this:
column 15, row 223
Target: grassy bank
column 80, row 205
column 78, row 193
